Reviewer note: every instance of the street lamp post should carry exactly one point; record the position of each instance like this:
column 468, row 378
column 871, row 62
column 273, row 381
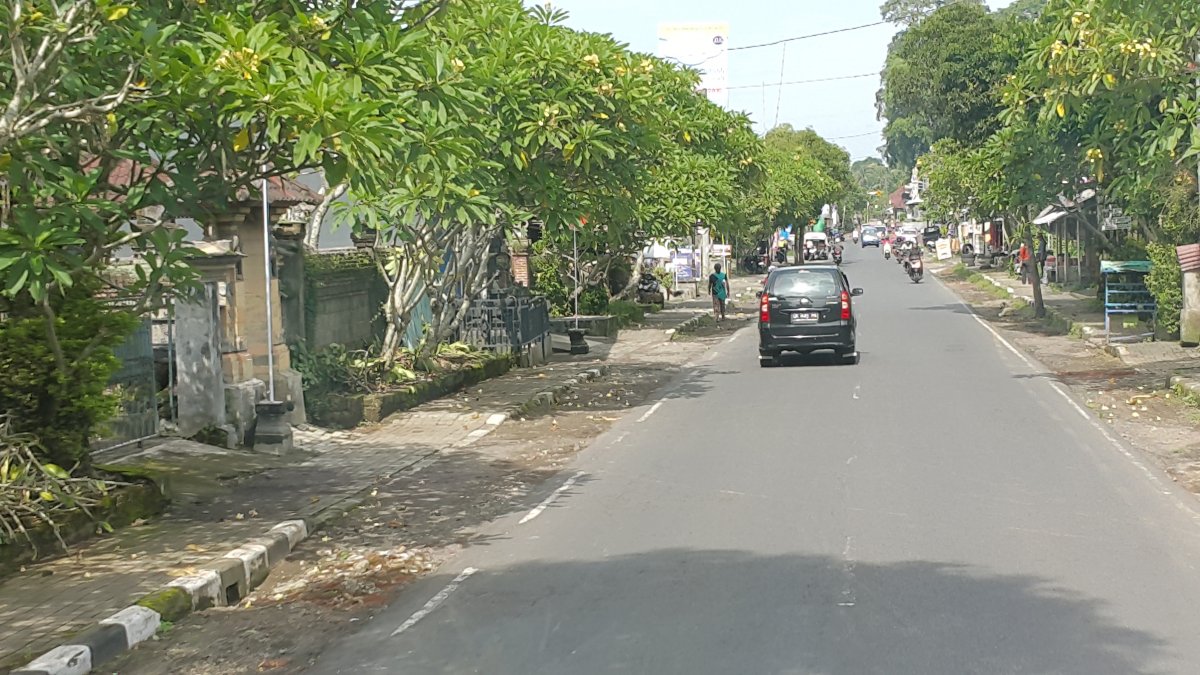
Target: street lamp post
column 272, row 431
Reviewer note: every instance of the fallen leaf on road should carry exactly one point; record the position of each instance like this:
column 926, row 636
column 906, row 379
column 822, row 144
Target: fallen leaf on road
column 240, row 516
column 195, row 548
column 314, row 500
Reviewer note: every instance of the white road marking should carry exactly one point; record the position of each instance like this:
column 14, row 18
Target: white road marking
column 851, row 460
column 855, row 394
column 848, row 565
column 1158, row 484
column 653, row 409
column 537, row 510
column 620, row 438
column 435, row 601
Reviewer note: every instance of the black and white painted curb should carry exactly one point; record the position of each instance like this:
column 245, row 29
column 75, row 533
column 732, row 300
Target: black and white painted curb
column 225, row 581
column 221, row 582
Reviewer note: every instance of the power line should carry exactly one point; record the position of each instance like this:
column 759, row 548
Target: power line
column 838, row 138
column 820, row 79
column 810, row 35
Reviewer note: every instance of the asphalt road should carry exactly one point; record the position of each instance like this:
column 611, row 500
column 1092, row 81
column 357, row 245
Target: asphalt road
column 939, row 508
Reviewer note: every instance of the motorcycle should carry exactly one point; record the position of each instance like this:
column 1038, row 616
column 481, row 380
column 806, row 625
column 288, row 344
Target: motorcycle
column 837, row 255
column 649, row 289
column 915, row 268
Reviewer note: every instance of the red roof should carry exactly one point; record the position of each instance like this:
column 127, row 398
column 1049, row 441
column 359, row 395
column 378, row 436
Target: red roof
column 281, row 191
column 897, row 198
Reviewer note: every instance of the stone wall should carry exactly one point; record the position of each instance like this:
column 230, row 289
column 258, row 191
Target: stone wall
column 341, row 301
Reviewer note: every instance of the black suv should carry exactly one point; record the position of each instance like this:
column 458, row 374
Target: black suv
column 804, row 309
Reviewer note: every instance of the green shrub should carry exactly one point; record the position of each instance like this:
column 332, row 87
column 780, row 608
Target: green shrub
column 62, row 408
column 593, row 300
column 626, row 313
column 1165, row 282
column 548, row 279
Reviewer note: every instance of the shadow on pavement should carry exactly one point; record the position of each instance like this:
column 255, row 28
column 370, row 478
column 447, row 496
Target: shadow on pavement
column 956, row 308
column 815, row 359
column 722, row 611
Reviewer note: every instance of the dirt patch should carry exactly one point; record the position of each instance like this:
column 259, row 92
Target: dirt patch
column 1136, row 402
column 337, row 580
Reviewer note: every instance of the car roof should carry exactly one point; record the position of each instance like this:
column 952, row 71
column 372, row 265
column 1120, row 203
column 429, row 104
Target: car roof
column 810, row 266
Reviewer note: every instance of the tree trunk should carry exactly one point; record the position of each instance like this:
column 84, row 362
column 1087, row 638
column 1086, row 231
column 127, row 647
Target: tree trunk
column 633, row 277
column 1039, row 305
column 312, row 236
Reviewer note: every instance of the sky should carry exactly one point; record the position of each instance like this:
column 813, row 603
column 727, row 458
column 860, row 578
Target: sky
column 842, row 111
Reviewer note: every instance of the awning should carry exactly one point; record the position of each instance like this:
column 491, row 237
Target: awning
column 1049, row 216
column 656, row 252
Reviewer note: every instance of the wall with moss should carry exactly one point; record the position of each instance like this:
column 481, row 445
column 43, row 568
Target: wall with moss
column 342, row 298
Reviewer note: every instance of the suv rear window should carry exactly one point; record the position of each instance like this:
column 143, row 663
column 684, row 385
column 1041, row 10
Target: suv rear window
column 805, row 283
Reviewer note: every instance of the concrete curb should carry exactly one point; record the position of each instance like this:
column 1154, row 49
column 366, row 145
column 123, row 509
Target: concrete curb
column 221, row 582
column 1184, row 383
column 1053, row 316
column 228, row 579
column 689, row 326
column 548, row 398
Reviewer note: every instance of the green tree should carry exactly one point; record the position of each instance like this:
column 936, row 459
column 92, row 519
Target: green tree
column 941, row 80
column 909, row 12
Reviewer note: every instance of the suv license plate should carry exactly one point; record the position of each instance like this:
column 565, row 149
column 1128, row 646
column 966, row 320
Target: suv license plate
column 804, row 317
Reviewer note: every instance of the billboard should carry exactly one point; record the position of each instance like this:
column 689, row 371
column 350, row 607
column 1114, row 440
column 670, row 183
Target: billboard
column 704, row 47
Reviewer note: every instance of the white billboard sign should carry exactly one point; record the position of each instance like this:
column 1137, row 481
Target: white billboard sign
column 703, row 47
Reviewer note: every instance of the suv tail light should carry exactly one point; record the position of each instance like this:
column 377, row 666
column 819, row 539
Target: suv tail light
column 764, row 309
column 845, row 306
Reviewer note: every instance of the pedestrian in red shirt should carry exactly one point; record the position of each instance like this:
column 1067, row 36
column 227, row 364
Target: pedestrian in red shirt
column 1023, row 257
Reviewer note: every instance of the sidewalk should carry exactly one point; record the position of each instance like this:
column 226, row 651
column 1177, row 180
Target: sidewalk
column 238, row 501
column 222, row 499
column 1078, row 314
column 1081, row 315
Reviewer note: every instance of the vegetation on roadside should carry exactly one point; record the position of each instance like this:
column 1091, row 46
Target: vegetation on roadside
column 35, row 493
column 1003, row 111
column 338, row 370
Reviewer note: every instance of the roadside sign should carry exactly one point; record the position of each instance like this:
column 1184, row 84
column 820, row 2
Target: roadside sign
column 722, row 250
column 1118, row 223
column 943, row 249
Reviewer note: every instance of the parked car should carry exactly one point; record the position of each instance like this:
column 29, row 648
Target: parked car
column 871, row 236
column 806, row 309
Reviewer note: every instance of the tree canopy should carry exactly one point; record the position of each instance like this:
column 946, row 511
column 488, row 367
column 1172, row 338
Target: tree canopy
column 941, row 80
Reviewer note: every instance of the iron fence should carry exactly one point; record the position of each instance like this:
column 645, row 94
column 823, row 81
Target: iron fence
column 136, row 386
column 506, row 321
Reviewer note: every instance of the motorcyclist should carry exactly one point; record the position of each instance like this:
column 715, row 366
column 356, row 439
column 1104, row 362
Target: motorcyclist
column 887, row 247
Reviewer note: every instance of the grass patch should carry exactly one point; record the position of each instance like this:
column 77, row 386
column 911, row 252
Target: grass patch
column 986, row 285
column 1187, row 396
column 626, row 313
column 961, row 272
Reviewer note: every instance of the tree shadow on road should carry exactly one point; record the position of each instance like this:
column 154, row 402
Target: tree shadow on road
column 722, row 611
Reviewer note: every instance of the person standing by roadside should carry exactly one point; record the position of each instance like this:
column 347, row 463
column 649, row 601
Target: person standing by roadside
column 1041, row 255
column 1023, row 262
column 718, row 287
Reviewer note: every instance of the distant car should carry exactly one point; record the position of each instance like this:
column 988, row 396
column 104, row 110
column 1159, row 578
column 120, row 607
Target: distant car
column 871, row 237
column 806, row 309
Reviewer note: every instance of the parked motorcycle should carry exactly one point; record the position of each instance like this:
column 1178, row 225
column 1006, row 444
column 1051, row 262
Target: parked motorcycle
column 649, row 289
